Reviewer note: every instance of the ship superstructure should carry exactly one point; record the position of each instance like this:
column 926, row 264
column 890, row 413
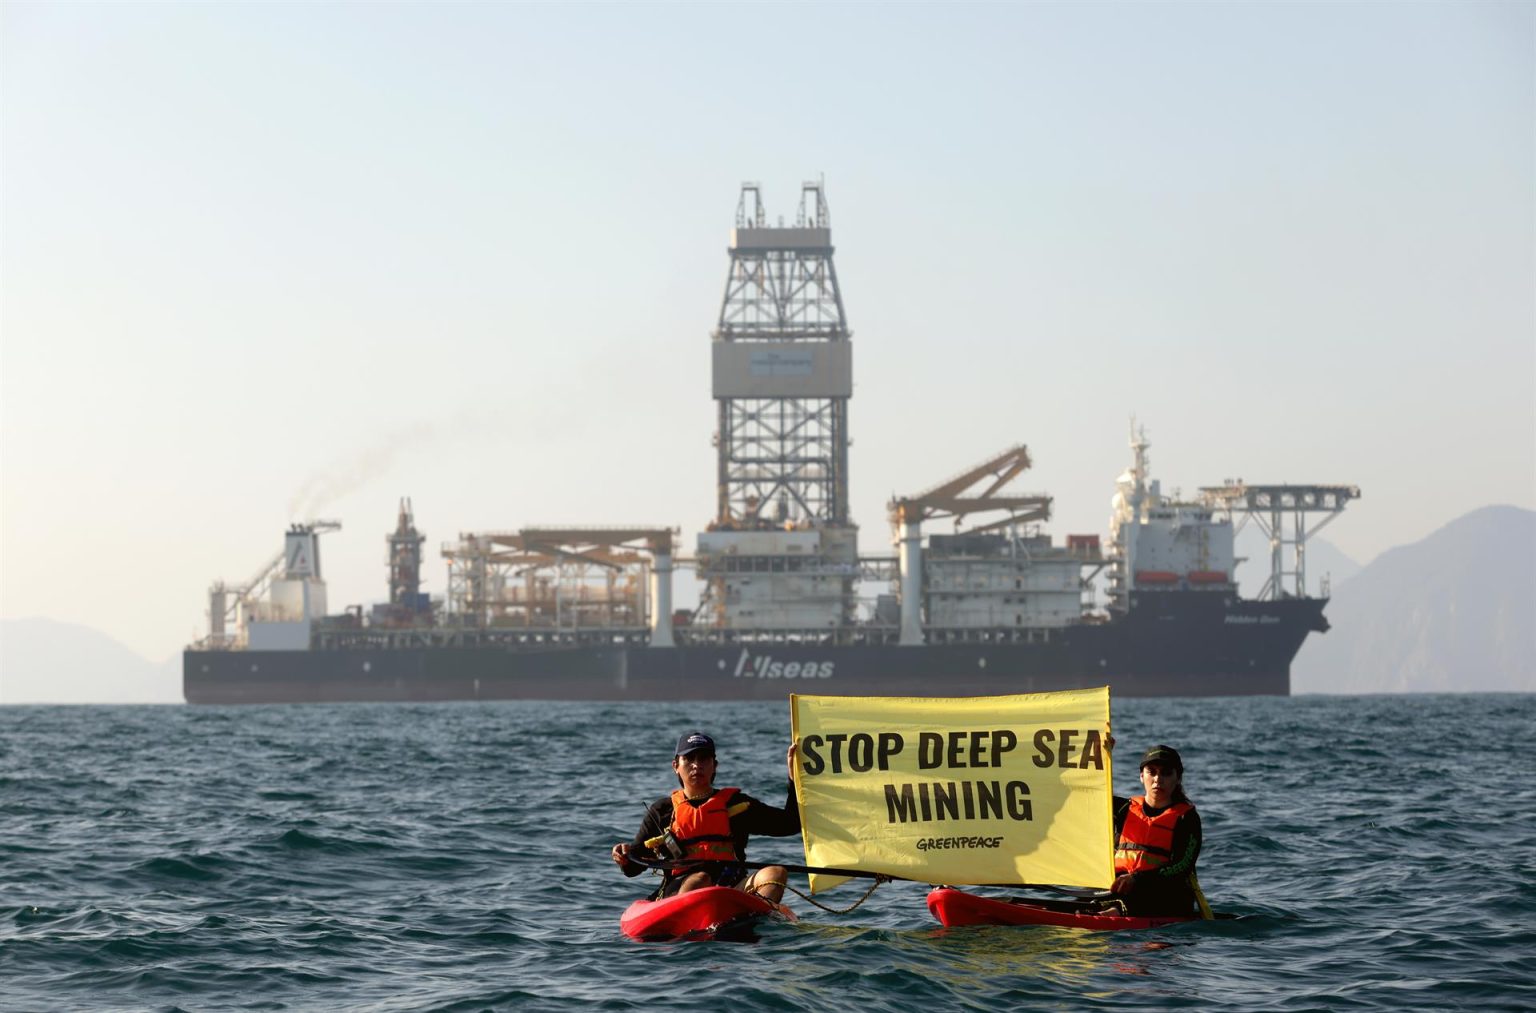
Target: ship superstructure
column 1158, row 543
column 1003, row 579
column 992, row 605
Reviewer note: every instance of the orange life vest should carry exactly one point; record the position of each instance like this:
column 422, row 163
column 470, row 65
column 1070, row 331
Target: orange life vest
column 1146, row 842
column 704, row 830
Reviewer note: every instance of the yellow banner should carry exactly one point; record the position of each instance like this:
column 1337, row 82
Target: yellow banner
column 997, row 789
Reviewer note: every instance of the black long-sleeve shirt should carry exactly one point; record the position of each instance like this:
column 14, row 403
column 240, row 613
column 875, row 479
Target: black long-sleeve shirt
column 758, row 818
column 1166, row 890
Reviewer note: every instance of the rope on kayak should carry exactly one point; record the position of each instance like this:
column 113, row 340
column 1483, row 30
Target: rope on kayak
column 833, row 910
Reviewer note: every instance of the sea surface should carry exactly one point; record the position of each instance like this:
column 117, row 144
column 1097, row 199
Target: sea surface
column 1379, row 852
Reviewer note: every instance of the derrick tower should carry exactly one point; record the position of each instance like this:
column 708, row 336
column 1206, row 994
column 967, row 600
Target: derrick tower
column 782, row 370
column 781, row 556
column 405, row 563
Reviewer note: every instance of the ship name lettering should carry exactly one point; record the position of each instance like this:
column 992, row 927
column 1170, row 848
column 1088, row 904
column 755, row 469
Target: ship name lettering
column 764, row 667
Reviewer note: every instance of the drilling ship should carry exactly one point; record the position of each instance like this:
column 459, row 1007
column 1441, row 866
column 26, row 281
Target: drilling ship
column 997, row 606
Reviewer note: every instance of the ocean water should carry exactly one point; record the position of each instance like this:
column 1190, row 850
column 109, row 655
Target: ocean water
column 1379, row 852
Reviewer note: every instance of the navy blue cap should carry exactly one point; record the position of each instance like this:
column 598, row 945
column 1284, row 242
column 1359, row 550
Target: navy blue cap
column 692, row 742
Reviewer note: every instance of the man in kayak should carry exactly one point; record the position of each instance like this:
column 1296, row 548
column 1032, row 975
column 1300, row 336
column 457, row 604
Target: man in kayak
column 708, row 827
column 1157, row 840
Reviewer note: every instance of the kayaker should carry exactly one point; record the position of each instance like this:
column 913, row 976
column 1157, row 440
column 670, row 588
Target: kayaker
column 1157, row 840
column 710, row 825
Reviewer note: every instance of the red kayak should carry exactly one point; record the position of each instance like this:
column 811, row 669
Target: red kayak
column 956, row 907
column 697, row 914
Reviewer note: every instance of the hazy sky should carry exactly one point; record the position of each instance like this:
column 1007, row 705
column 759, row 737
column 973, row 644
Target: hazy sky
column 268, row 261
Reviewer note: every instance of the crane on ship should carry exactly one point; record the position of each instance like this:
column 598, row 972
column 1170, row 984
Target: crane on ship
column 950, row 498
column 978, row 489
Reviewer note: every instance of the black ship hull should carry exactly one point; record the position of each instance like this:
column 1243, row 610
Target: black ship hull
column 1176, row 644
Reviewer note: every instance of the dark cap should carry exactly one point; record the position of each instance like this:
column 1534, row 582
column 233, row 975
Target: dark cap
column 692, row 742
column 1166, row 755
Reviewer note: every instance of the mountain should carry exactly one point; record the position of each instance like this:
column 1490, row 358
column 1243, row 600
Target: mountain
column 1454, row 612
column 43, row 661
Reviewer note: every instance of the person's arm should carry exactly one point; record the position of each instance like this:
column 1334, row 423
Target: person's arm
column 657, row 818
column 764, row 820
column 1123, row 880
column 768, row 821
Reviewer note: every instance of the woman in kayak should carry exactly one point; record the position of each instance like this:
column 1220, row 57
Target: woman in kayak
column 1157, row 840
column 708, row 827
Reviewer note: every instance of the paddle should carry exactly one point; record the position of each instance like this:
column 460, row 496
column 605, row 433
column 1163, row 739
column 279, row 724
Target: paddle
column 1085, row 893
column 821, row 870
column 650, row 863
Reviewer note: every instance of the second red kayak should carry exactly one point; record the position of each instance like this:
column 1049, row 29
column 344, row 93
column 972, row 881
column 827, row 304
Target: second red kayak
column 956, row 908
column 697, row 914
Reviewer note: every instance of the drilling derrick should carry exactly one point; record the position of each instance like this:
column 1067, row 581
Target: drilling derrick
column 782, row 370
column 405, row 597
column 781, row 554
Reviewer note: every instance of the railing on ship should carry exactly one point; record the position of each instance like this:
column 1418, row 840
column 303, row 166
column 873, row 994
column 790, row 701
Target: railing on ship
column 526, row 639
column 519, row 638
